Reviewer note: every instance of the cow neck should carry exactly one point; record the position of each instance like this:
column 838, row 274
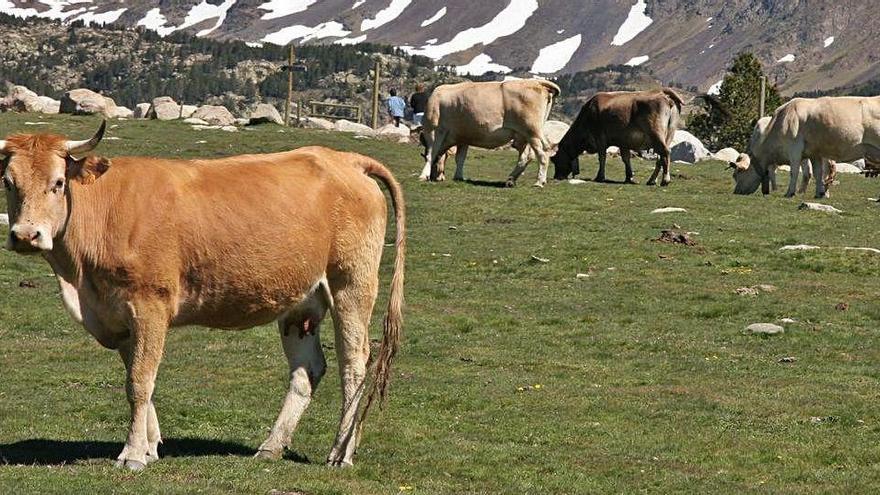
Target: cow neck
column 82, row 241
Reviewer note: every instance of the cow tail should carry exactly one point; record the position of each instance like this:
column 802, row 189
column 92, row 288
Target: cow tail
column 393, row 323
column 552, row 92
column 674, row 113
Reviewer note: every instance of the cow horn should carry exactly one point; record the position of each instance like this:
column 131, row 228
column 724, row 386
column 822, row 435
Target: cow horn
column 81, row 147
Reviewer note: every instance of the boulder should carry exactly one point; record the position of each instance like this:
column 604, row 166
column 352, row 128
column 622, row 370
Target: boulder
column 389, row 131
column 818, row 207
column 317, row 123
column 194, row 121
column 849, row 168
column 687, row 148
column 241, row 121
column 121, row 113
column 187, row 111
column 21, row 99
column 164, row 108
column 142, row 111
column 554, row 130
column 726, row 155
column 86, row 102
column 265, row 114
column 860, row 164
column 215, row 115
column 353, row 127
column 765, row 329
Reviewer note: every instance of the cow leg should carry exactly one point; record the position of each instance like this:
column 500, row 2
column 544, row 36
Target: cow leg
column 149, row 323
column 627, row 163
column 154, row 436
column 653, row 178
column 300, row 338
column 600, row 175
column 664, row 160
column 540, row 148
column 806, row 165
column 819, row 175
column 524, row 158
column 351, row 317
column 460, row 156
column 435, row 150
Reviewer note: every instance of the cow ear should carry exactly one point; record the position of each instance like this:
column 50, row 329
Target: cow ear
column 87, row 170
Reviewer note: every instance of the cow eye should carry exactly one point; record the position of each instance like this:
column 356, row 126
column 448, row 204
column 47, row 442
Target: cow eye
column 59, row 186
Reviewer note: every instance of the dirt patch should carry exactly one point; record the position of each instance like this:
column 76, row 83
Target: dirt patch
column 675, row 236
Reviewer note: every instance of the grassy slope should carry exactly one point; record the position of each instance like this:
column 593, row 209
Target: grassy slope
column 649, row 383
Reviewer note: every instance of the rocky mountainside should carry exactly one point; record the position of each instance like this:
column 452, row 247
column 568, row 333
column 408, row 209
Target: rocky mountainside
column 806, row 45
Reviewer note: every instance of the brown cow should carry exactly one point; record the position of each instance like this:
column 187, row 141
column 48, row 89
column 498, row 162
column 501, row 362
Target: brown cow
column 488, row 115
column 636, row 121
column 141, row 244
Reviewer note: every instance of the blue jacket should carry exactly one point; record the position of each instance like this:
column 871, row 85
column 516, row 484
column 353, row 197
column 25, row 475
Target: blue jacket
column 396, row 106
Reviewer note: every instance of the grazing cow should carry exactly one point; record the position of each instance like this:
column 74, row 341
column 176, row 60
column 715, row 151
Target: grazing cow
column 635, row 120
column 141, row 244
column 488, row 115
column 740, row 166
column 841, row 128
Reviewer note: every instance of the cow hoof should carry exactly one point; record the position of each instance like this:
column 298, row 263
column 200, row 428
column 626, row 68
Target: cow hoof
column 599, row 179
column 458, row 179
column 538, row 184
column 651, row 183
column 440, row 178
column 423, row 178
column 510, row 183
column 268, row 455
column 631, row 181
column 664, row 183
column 339, row 463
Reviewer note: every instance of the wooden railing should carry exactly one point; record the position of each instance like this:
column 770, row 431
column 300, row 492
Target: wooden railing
column 337, row 111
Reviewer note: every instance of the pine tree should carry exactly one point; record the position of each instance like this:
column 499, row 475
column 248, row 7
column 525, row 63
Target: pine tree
column 728, row 120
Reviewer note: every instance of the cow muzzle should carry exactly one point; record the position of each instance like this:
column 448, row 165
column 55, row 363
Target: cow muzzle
column 29, row 239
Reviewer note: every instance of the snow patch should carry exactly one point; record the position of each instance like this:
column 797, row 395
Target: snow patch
column 709, row 19
column 510, row 20
column 635, row 23
column 254, row 44
column 281, row 8
column 358, row 3
column 155, row 21
column 56, row 9
column 715, row 89
column 480, row 65
column 306, row 33
column 431, row 41
column 828, row 41
column 787, row 58
column 385, row 15
column 560, row 31
column 637, row 61
column 102, row 18
column 352, row 41
column 553, row 58
column 434, row 18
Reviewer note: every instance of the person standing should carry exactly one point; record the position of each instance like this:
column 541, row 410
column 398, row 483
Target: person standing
column 419, row 103
column 396, row 107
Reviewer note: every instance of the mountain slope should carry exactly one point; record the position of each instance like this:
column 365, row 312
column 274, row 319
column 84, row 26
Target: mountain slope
column 805, row 45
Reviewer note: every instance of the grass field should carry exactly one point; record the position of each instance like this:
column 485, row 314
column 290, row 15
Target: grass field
column 516, row 376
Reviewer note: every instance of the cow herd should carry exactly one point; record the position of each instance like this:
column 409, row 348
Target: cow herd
column 139, row 245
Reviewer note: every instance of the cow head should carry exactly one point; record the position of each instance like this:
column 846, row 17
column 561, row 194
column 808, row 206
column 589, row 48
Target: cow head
column 36, row 171
column 749, row 174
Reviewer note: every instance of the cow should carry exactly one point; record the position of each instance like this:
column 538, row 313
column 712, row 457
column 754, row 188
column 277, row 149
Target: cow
column 842, row 128
column 741, row 164
column 630, row 120
column 139, row 245
column 488, row 115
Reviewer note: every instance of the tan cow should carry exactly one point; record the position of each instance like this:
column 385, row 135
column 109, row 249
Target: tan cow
column 142, row 244
column 488, row 115
column 843, row 128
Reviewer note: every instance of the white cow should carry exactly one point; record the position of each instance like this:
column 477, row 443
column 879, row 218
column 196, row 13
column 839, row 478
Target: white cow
column 841, row 128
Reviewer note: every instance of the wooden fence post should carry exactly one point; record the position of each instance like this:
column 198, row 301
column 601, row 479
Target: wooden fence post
column 763, row 96
column 289, row 86
column 376, row 95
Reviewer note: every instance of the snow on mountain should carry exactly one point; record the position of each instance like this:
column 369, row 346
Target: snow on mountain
column 787, row 58
column 507, row 22
column 385, row 15
column 298, row 32
column 434, row 18
column 553, row 58
column 283, row 8
column 828, row 41
column 635, row 23
column 481, row 64
column 637, row 60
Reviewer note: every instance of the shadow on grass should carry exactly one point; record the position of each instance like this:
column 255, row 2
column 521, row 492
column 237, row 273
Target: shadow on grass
column 50, row 452
column 500, row 184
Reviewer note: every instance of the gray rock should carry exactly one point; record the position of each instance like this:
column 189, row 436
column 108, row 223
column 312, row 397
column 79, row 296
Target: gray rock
column 194, row 121
column 726, row 155
column 49, row 105
column 669, row 209
column 142, row 110
column 860, row 164
column 353, row 127
column 317, row 123
column 86, row 102
column 215, row 115
column 188, row 110
column 765, row 329
column 687, row 148
column 849, row 168
column 121, row 113
column 818, row 207
column 798, row 247
column 265, row 114
column 389, row 131
column 164, row 108
column 554, row 130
